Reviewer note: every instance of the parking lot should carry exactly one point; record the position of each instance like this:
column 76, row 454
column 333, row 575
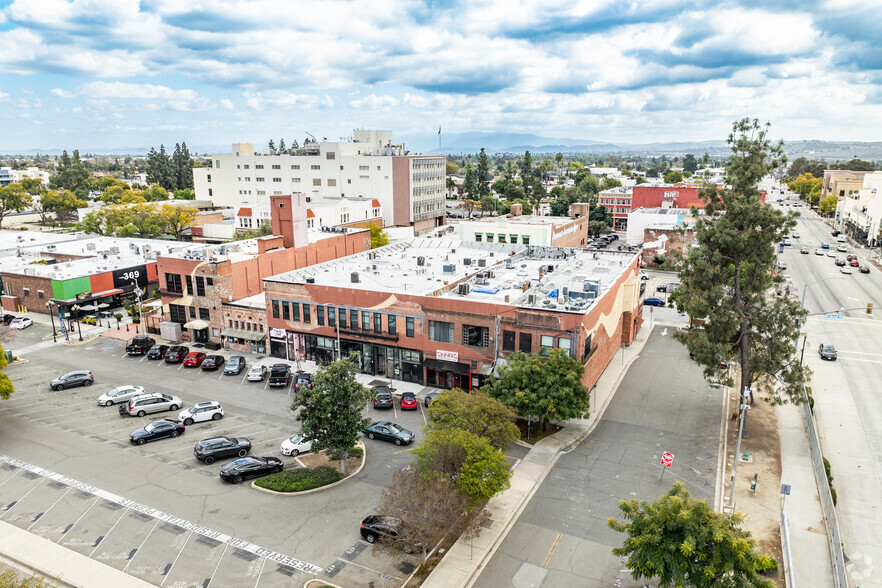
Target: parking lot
column 68, row 473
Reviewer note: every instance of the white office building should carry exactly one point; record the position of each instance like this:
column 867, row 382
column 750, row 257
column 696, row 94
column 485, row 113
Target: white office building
column 411, row 189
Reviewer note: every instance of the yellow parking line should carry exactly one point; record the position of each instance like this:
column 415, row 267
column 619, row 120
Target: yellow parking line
column 551, row 550
column 403, row 450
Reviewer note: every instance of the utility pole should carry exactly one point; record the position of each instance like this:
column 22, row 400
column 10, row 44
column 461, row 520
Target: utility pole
column 744, row 407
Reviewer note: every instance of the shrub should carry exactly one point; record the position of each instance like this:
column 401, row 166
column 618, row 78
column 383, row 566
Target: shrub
column 334, row 455
column 830, row 480
column 300, row 479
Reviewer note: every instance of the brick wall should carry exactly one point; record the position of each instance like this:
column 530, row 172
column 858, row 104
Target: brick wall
column 28, row 290
column 246, row 319
column 675, row 242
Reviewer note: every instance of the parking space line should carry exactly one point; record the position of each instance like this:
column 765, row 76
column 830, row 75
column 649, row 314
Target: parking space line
column 260, row 573
column 219, row 560
column 423, row 412
column 14, row 474
column 76, row 522
column 50, row 508
column 109, row 531
column 137, row 551
column 403, row 450
column 184, row 546
column 386, row 574
column 17, row 502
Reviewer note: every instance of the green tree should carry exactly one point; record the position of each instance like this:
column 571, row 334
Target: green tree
column 600, row 213
column 469, row 185
column 547, row 387
column 801, row 166
column 488, row 204
column 282, row 150
column 451, row 186
column 827, row 206
column 558, row 158
column 672, row 177
column 545, row 166
column 482, row 175
column 72, row 174
column 62, row 204
column 330, row 411
column 176, row 219
column 6, row 386
column 95, row 222
column 476, row 467
column 477, row 413
column 142, row 221
column 508, row 173
column 182, row 168
column 683, row 542
column 597, row 228
column 271, row 147
column 560, row 206
column 469, row 206
column 185, row 194
column 452, row 168
column 32, row 186
column 160, row 169
column 499, row 186
column 154, row 193
column 726, row 280
column 13, row 198
column 639, row 180
column 379, row 237
column 609, row 183
column 589, row 185
column 526, row 166
column 690, row 164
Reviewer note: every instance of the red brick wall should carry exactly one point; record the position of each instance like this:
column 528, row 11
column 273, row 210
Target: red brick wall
column 653, row 197
column 15, row 285
column 567, row 237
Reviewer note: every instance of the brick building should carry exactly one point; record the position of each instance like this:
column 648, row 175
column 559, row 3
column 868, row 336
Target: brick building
column 245, row 324
column 661, row 240
column 617, row 202
column 443, row 312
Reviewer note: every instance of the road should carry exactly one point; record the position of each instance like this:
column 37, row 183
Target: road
column 848, row 406
column 561, row 538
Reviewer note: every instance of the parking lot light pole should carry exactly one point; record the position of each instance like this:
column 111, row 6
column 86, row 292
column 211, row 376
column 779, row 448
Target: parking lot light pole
column 744, row 406
column 76, row 310
column 52, row 319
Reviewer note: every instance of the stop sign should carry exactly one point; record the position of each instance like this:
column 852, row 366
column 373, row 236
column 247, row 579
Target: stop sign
column 667, row 459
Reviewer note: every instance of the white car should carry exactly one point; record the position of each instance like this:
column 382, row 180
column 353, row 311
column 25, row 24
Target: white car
column 119, row 394
column 845, row 270
column 201, row 412
column 819, row 251
column 795, row 235
column 296, row 445
column 256, row 373
column 21, row 322
column 842, row 249
column 831, row 253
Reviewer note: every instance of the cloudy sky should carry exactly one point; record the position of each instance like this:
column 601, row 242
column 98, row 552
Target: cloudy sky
column 103, row 74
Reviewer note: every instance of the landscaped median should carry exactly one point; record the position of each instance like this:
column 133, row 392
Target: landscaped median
column 311, row 478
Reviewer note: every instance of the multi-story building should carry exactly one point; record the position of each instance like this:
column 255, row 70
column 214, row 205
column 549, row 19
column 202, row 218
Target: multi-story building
column 9, row 175
column 841, row 183
column 859, row 215
column 548, row 231
column 617, row 202
column 328, row 212
column 642, row 218
column 445, row 313
column 411, row 189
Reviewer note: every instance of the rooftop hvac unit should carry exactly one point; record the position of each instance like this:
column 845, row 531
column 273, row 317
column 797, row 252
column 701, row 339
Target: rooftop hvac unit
column 481, row 280
column 550, row 268
column 449, row 268
column 564, row 291
column 463, row 289
column 453, row 250
column 310, row 280
column 421, row 261
column 482, row 263
column 509, row 264
column 114, row 250
column 354, row 277
column 467, row 261
column 212, row 259
column 531, row 299
column 91, row 246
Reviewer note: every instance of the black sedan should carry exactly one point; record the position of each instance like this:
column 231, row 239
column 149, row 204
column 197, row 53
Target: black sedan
column 6, row 319
column 212, row 362
column 250, row 467
column 156, row 430
column 176, row 354
column 157, row 352
column 827, row 351
column 209, row 450
column 388, row 431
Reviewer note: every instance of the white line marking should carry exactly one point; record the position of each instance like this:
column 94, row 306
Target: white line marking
column 74, row 526
column 17, row 502
column 137, row 551
column 109, row 532
column 219, row 560
column 50, row 508
column 187, row 540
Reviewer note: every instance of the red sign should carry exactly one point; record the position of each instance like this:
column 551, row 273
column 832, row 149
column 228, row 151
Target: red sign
column 446, row 355
column 667, row 459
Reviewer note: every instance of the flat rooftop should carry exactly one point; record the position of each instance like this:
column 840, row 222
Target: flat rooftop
column 524, row 219
column 554, row 278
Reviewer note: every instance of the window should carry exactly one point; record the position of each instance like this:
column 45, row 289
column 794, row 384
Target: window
column 277, row 166
column 177, row 313
column 258, row 166
column 564, row 343
column 315, row 167
column 295, row 311
column 210, row 193
column 231, row 323
column 245, row 166
column 209, row 281
column 173, row 283
column 295, row 166
column 546, row 341
column 501, row 238
column 286, row 311
column 277, row 179
column 332, row 316
column 25, row 291
column 525, row 240
column 441, row 331
column 353, row 319
column 332, row 182
column 365, row 320
column 259, row 179
column 200, row 286
column 306, row 315
column 209, row 177
column 40, row 293
column 391, row 320
column 342, row 318
column 295, row 180
column 475, row 336
column 217, row 163
column 316, row 181
column 378, row 322
column 320, row 315
column 364, row 168
column 489, row 237
column 526, row 343
column 513, row 239
column 192, row 312
column 508, row 340
column 275, row 309
column 586, row 352
column 205, row 314
column 330, row 155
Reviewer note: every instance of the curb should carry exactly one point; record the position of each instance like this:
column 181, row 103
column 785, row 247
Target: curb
column 314, row 490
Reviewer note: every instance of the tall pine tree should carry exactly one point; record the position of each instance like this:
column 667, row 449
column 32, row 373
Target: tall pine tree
column 72, row 174
column 482, row 175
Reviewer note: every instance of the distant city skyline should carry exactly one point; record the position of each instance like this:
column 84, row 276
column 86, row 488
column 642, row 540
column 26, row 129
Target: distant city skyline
column 115, row 74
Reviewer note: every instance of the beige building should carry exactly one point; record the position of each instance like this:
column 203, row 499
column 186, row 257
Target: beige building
column 841, row 183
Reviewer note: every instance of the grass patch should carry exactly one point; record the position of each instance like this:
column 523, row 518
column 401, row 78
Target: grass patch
column 355, row 452
column 299, row 479
column 533, row 433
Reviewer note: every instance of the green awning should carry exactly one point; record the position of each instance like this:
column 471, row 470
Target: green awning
column 243, row 334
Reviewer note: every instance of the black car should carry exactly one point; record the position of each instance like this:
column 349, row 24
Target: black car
column 71, row 379
column 250, row 467
column 157, row 352
column 209, row 450
column 279, row 374
column 840, row 262
column 176, row 354
column 430, row 398
column 6, row 319
column 827, row 351
column 382, row 528
column 388, row 431
column 156, row 430
column 302, row 381
column 235, row 366
column 382, row 397
column 212, row 362
column 140, row 345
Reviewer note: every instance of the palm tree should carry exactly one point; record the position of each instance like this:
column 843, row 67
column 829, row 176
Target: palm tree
column 544, row 167
column 558, row 158
column 451, row 186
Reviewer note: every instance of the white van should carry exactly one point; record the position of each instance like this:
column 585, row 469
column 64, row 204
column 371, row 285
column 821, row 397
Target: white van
column 840, row 238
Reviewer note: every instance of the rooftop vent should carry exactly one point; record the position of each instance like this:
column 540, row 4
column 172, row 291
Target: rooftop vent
column 354, row 277
column 463, row 289
column 310, row 280
column 449, row 268
column 482, row 263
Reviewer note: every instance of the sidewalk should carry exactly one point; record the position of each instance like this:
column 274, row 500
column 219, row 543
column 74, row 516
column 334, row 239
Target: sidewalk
column 462, row 564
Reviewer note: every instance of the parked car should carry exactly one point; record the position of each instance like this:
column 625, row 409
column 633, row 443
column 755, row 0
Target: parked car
column 302, row 381
column 827, row 351
column 795, row 234
column 6, row 319
column 156, row 430
column 831, row 253
column 250, row 467
column 840, row 262
column 71, row 379
column 279, row 375
column 296, row 445
column 194, row 359
column 176, row 354
column 644, row 276
column 782, row 265
column 653, row 301
column 666, row 287
column 157, row 352
column 382, row 528
column 119, row 394
column 864, row 269
column 382, row 397
column 388, row 431
column 209, row 450
column 430, row 398
column 257, row 373
column 785, row 241
column 408, row 401
column 201, row 412
column 851, row 256
column 840, row 238
column 234, row 366
column 212, row 362
column 804, row 250
column 21, row 322
column 140, row 345
column 144, row 404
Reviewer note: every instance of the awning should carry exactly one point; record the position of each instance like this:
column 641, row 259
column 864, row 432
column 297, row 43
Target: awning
column 447, row 366
column 198, row 324
column 242, row 334
column 107, row 293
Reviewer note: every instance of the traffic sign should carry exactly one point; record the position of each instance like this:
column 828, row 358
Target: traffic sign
column 667, row 459
column 833, row 316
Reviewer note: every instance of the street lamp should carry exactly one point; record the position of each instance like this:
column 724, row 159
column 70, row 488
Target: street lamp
column 51, row 318
column 138, row 292
column 744, row 406
column 76, row 310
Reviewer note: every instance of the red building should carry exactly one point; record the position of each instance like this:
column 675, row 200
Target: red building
column 676, row 196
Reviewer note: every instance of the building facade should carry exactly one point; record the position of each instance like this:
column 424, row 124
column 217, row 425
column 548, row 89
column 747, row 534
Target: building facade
column 841, row 183
column 859, row 215
column 617, row 202
column 547, row 231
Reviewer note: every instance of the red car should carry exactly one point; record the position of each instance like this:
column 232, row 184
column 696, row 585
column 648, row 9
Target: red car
column 194, row 359
column 804, row 250
column 854, row 263
column 408, row 401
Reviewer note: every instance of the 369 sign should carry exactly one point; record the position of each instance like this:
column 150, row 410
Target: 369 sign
column 125, row 277
column 131, row 276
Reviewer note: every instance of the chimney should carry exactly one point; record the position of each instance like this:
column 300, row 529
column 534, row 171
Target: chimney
column 288, row 217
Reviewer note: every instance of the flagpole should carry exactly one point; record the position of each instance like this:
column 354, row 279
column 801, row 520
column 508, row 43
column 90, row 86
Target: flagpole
column 439, row 140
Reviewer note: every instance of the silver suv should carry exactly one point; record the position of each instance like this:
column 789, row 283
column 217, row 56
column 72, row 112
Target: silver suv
column 144, row 404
